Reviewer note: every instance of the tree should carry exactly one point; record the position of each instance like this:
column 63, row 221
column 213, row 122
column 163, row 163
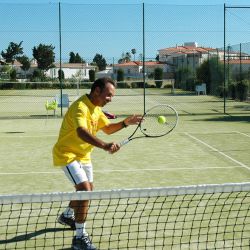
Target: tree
column 12, row 52
column 133, row 51
column 13, row 74
column 45, row 56
column 91, row 75
column 72, row 57
column 78, row 59
column 242, row 90
column 126, row 57
column 211, row 72
column 24, row 60
column 75, row 58
column 100, row 62
column 5, row 71
column 184, row 78
column 61, row 74
column 37, row 75
column 120, row 75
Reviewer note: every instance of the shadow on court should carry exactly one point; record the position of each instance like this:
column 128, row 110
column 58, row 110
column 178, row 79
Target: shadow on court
column 228, row 118
column 28, row 236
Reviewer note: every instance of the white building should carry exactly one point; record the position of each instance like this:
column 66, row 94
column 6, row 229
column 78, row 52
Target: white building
column 188, row 55
column 108, row 72
column 71, row 70
column 134, row 69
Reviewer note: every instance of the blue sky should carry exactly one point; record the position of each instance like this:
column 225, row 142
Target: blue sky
column 111, row 27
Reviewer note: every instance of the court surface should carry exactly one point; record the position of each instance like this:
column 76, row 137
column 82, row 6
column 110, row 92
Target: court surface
column 206, row 147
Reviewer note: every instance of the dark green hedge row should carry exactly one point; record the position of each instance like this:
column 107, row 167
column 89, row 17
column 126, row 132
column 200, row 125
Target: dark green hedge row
column 41, row 85
column 239, row 90
column 236, row 91
column 48, row 85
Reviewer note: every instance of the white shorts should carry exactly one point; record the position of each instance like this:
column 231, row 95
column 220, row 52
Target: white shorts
column 78, row 172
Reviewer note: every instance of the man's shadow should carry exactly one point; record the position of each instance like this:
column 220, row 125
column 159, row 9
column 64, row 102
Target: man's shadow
column 28, row 236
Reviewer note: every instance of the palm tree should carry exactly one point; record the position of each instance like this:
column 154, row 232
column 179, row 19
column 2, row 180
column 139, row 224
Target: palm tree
column 133, row 51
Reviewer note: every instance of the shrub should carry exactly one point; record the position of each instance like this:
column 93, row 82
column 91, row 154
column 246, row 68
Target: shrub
column 190, row 84
column 220, row 91
column 86, row 85
column 7, row 85
column 138, row 84
column 91, row 75
column 242, row 90
column 168, row 86
column 147, row 85
column 158, row 73
column 120, row 75
column 19, row 85
column 13, row 74
column 122, row 85
column 232, row 90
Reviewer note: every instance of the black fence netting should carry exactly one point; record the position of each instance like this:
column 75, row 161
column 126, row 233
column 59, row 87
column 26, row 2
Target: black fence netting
column 157, row 53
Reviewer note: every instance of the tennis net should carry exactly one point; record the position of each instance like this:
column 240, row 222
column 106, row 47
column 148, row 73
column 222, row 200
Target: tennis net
column 185, row 217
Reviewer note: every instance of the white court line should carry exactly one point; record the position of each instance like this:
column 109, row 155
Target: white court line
column 218, row 151
column 15, row 135
column 242, row 133
column 125, row 170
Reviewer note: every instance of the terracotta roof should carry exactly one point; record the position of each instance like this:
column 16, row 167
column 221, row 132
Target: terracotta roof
column 64, row 65
column 73, row 65
column 187, row 49
column 237, row 61
column 138, row 63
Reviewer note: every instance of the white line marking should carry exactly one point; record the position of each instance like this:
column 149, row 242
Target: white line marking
column 242, row 133
column 125, row 170
column 218, row 151
column 15, row 135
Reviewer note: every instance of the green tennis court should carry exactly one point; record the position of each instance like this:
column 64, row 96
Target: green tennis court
column 206, row 147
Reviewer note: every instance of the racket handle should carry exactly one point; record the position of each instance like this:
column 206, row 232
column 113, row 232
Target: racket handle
column 124, row 142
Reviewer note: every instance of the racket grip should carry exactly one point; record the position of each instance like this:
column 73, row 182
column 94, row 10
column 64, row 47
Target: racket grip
column 124, row 142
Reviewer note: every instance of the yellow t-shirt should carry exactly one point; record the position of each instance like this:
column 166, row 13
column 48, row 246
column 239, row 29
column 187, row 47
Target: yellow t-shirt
column 69, row 146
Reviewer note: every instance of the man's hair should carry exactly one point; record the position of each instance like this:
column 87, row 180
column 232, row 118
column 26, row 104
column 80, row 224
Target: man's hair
column 101, row 83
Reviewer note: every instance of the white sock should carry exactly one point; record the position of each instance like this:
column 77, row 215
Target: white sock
column 69, row 212
column 80, row 229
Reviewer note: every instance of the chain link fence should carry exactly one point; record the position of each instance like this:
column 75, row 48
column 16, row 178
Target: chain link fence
column 179, row 41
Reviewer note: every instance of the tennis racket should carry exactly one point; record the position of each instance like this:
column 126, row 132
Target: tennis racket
column 158, row 121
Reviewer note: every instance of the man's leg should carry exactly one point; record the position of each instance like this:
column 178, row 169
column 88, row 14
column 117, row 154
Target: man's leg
column 81, row 239
column 81, row 209
column 82, row 177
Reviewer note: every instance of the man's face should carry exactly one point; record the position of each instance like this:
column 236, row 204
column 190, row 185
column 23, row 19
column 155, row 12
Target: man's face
column 105, row 96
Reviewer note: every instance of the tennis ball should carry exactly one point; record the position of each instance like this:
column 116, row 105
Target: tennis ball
column 161, row 119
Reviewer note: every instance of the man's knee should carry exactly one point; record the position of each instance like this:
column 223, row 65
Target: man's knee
column 84, row 186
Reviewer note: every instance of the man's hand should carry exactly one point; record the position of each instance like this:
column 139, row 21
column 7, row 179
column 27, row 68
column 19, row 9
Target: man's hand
column 111, row 147
column 133, row 120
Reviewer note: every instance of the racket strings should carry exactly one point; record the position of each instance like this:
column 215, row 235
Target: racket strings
column 152, row 127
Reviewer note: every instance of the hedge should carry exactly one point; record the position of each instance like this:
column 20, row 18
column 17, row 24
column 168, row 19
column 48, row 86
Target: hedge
column 42, row 85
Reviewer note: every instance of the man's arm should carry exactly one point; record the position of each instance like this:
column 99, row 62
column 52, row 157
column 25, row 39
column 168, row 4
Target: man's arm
column 93, row 140
column 114, row 127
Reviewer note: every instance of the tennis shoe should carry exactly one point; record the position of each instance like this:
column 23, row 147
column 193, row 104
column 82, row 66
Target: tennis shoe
column 67, row 221
column 83, row 243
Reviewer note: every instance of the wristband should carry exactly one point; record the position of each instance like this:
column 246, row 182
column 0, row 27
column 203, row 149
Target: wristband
column 124, row 125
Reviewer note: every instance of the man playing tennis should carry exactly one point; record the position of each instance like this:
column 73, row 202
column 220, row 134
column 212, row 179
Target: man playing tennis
column 72, row 151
